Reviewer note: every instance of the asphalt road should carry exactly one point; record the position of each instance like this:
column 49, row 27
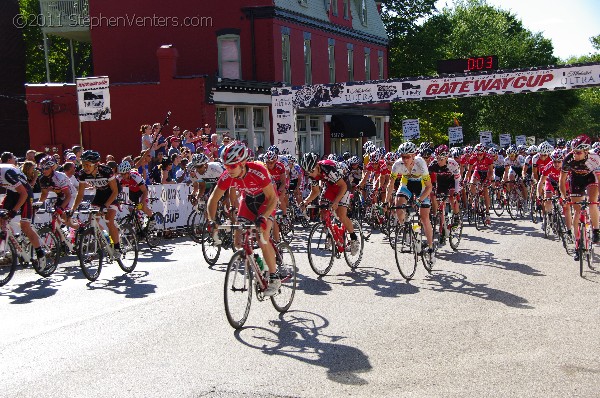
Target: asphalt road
column 507, row 315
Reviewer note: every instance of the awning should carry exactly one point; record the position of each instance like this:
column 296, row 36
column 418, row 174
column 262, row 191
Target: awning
column 352, row 126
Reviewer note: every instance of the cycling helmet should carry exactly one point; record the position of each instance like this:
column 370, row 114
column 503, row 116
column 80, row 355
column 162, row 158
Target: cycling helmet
column 442, row 151
column 406, row 148
column 292, row 159
column 353, row 160
column 47, row 161
column 544, row 149
column 581, row 143
column 367, row 145
column 285, row 152
column 512, row 150
column 521, row 148
column 468, row 150
column 124, row 167
column 261, row 157
column 347, row 155
column 234, row 153
column 426, row 153
column 424, row 145
column 190, row 167
column 456, row 152
column 492, row 151
column 270, row 156
column 199, row 159
column 90, row 156
column 557, row 154
column 274, row 149
column 479, row 148
column 596, row 145
column 568, row 145
column 382, row 151
column 375, row 157
column 390, row 157
column 561, row 143
column 309, row 161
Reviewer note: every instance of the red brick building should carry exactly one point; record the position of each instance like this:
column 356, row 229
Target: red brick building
column 222, row 61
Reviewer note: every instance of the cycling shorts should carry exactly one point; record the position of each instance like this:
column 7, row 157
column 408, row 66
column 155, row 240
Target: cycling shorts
column 12, row 198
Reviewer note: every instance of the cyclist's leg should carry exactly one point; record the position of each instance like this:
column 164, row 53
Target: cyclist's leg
column 110, row 216
column 424, row 215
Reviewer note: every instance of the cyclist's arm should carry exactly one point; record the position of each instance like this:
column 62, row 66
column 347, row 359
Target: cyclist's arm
column 490, row 173
column 112, row 184
column 44, row 195
column 365, row 178
column 390, row 187
column 469, row 171
column 562, row 183
column 79, row 198
column 213, row 201
column 144, row 193
column 540, row 186
column 65, row 202
column 314, row 192
column 201, row 188
column 271, row 199
column 428, row 188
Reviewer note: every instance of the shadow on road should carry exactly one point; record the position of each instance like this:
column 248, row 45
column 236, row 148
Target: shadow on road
column 487, row 259
column 131, row 285
column 380, row 281
column 511, row 228
column 28, row 292
column 445, row 281
column 299, row 335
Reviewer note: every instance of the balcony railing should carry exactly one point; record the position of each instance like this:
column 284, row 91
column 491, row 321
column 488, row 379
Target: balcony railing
column 67, row 18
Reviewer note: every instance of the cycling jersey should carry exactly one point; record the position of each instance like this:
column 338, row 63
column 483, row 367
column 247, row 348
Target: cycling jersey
column 278, row 173
column 412, row 181
column 11, row 177
column 499, row 162
column 213, row 172
column 446, row 177
column 517, row 162
column 57, row 182
column 295, row 172
column 589, row 164
column 331, row 173
column 101, row 180
column 375, row 168
column 252, row 184
column 134, row 182
column 540, row 162
column 552, row 175
column 482, row 164
column 383, row 168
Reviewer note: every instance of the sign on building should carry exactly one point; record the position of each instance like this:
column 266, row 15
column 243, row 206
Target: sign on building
column 505, row 140
column 410, row 129
column 455, row 135
column 283, row 119
column 485, row 137
column 93, row 99
column 521, row 140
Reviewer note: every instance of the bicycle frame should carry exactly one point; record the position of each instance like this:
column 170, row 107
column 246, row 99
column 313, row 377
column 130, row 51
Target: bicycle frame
column 94, row 216
column 337, row 231
column 11, row 237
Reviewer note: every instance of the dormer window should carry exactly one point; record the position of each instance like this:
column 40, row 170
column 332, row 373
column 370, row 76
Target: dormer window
column 363, row 12
column 303, row 3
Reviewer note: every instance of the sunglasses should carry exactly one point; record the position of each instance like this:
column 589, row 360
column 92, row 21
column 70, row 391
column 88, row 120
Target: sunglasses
column 406, row 156
column 46, row 168
column 232, row 166
column 578, row 152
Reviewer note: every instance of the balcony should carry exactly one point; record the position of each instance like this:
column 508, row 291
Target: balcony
column 66, row 18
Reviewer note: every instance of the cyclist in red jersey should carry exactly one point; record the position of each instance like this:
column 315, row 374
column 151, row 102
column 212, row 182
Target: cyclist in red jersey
column 258, row 201
column 138, row 192
column 549, row 185
column 279, row 176
column 481, row 170
column 373, row 170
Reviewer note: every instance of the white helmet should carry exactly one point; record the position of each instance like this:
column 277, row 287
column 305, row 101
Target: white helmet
column 407, row 147
column 545, row 148
column 235, row 152
column 199, row 159
column 124, row 167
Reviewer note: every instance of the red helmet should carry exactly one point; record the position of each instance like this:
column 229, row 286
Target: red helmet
column 442, row 151
column 582, row 143
column 234, row 153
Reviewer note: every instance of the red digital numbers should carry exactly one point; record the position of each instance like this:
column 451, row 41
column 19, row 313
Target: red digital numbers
column 480, row 63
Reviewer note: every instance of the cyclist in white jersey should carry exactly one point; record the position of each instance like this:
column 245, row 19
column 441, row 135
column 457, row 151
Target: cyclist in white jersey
column 204, row 175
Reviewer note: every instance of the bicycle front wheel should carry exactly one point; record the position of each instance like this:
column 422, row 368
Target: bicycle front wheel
column 353, row 259
column 321, row 249
column 403, row 250
column 582, row 247
column 210, row 250
column 91, row 254
column 8, row 262
column 196, row 224
column 128, row 256
column 455, row 231
column 50, row 243
column 155, row 235
column 286, row 268
column 237, row 293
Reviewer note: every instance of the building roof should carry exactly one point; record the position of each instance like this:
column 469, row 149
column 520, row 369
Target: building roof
column 316, row 9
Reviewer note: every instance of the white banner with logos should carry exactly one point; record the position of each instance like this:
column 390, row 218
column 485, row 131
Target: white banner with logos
column 93, row 99
column 521, row 140
column 455, row 135
column 283, row 119
column 505, row 140
column 410, row 129
column 485, row 137
column 530, row 141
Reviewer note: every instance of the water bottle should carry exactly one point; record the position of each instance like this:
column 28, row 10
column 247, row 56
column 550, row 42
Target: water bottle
column 417, row 230
column 106, row 236
column 259, row 261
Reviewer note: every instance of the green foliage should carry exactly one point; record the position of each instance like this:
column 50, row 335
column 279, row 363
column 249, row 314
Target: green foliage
column 59, row 54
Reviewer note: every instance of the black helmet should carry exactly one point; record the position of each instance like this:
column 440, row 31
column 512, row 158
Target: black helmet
column 309, row 161
column 346, row 155
column 90, row 156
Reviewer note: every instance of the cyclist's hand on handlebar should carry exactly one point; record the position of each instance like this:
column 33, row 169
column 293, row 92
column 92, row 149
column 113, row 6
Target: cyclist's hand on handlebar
column 11, row 214
column 261, row 223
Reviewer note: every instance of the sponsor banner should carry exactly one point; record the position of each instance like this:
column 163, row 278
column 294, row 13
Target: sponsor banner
column 93, row 99
column 521, row 140
column 284, row 119
column 551, row 141
column 505, row 140
column 455, row 135
column 410, row 129
column 485, row 137
column 530, row 141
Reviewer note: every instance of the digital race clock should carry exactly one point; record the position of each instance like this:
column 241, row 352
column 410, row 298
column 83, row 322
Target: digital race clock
column 473, row 64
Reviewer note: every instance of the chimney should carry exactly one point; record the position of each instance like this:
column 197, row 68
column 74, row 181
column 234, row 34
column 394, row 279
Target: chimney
column 167, row 62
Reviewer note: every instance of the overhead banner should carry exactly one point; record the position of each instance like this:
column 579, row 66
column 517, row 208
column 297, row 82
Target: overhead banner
column 455, row 135
column 410, row 129
column 93, row 99
column 283, row 119
column 485, row 137
column 505, row 140
column 521, row 140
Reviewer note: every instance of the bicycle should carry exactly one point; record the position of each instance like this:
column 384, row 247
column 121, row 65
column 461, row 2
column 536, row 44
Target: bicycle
column 244, row 274
column 140, row 222
column 409, row 240
column 328, row 240
column 298, row 214
column 68, row 242
column 286, row 226
column 498, row 199
column 442, row 229
column 95, row 245
column 535, row 204
column 16, row 247
column 477, row 212
column 516, row 201
column 584, row 245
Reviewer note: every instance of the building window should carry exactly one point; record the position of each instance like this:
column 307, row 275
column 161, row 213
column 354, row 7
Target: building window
column 230, row 65
column 379, row 139
column 363, row 12
column 331, row 53
column 346, row 9
column 350, row 63
column 307, row 60
column 380, row 64
column 221, row 118
column 239, row 115
column 303, row 3
column 259, row 127
column 310, row 134
column 367, row 64
column 259, row 118
column 285, row 57
column 334, row 7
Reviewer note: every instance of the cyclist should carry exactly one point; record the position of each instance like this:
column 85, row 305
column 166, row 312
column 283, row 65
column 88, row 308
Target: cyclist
column 581, row 168
column 549, row 185
column 280, row 177
column 480, row 171
column 335, row 190
column 513, row 170
column 498, row 164
column 19, row 196
column 57, row 182
column 258, row 202
column 296, row 177
column 373, row 171
column 204, row 175
column 445, row 174
column 102, row 178
column 415, row 181
column 138, row 191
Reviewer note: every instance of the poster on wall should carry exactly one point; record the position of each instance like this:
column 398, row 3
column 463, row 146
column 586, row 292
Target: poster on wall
column 93, row 99
column 505, row 140
column 521, row 140
column 283, row 119
column 485, row 137
column 410, row 129
column 455, row 135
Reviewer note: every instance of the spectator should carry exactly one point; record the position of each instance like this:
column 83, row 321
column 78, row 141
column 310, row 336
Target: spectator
column 176, row 165
column 175, row 142
column 189, row 140
column 156, row 161
column 142, row 162
column 8, row 158
column 29, row 168
column 260, row 150
column 147, row 139
column 30, row 155
column 182, row 175
column 113, row 165
column 165, row 167
column 110, row 158
column 77, row 150
column 225, row 142
column 161, row 143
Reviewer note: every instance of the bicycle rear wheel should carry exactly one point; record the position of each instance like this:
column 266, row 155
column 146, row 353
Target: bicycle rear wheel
column 353, row 260
column 155, row 236
column 8, row 262
column 237, row 292
column 196, row 225
column 286, row 268
column 50, row 243
column 91, row 254
column 497, row 201
column 406, row 260
column 582, row 247
column 321, row 249
column 128, row 256
column 455, row 231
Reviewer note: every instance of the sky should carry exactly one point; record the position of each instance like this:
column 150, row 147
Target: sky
column 569, row 24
